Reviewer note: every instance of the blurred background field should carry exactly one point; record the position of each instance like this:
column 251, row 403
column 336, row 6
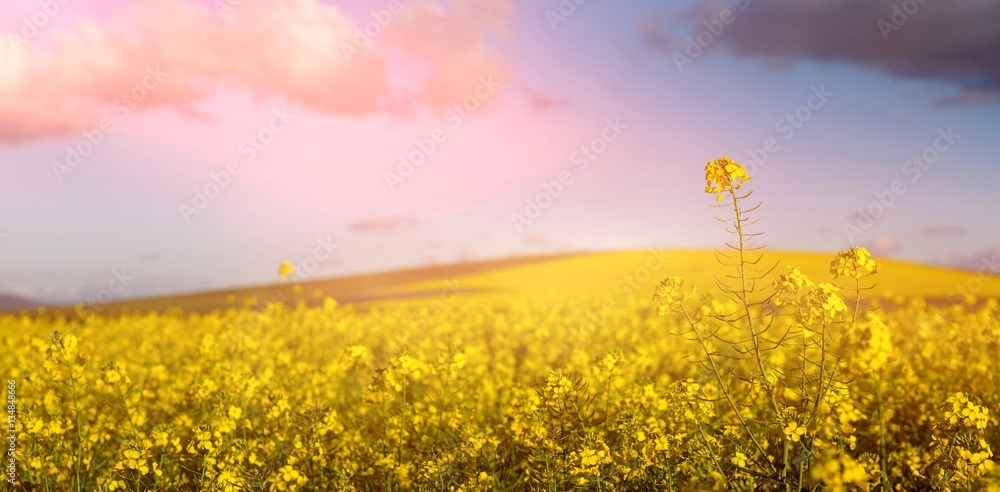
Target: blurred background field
column 568, row 277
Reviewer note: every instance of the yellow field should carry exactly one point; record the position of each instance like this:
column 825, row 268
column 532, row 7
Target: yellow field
column 589, row 372
column 490, row 384
column 618, row 276
column 614, row 277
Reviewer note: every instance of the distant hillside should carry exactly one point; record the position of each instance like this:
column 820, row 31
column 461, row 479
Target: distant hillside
column 611, row 276
column 618, row 275
column 13, row 303
column 356, row 289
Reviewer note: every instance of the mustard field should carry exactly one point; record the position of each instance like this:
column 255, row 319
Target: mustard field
column 774, row 379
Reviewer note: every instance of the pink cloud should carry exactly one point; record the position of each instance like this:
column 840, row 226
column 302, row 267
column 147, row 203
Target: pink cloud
column 984, row 261
column 305, row 51
column 940, row 231
column 883, row 245
column 381, row 224
column 542, row 102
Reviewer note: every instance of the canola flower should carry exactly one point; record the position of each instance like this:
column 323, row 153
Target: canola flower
column 488, row 394
column 506, row 393
column 856, row 263
column 724, row 175
column 285, row 269
column 966, row 412
column 797, row 379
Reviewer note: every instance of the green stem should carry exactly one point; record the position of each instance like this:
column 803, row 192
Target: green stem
column 857, row 300
column 822, row 373
column 744, row 294
column 725, row 389
column 711, row 452
column 128, row 415
column 402, row 427
column 607, row 401
column 883, row 459
column 79, row 432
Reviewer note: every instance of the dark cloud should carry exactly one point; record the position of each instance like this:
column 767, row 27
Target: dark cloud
column 939, row 231
column 972, row 96
column 955, row 42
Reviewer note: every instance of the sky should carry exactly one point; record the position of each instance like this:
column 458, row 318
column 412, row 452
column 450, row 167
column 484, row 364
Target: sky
column 160, row 146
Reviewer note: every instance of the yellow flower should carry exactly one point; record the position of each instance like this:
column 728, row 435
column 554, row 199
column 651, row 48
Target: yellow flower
column 285, row 269
column 790, row 284
column 288, row 478
column 485, row 480
column 62, row 349
column 669, row 293
column 838, row 471
column 794, row 431
column 113, row 485
column 114, row 375
column 822, row 305
column 966, row 411
column 724, row 175
column 739, row 459
column 873, row 344
column 856, row 263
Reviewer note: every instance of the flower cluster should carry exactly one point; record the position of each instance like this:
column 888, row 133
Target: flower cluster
column 871, row 340
column 839, row 472
column 790, row 285
column 506, row 393
column 724, row 175
column 963, row 411
column 855, row 263
column 978, row 459
column 671, row 292
column 114, row 376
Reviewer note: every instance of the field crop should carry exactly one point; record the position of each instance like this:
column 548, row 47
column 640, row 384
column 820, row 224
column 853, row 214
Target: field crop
column 775, row 381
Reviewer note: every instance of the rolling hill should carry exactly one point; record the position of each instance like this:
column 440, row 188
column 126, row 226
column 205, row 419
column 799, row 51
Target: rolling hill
column 591, row 276
column 14, row 303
